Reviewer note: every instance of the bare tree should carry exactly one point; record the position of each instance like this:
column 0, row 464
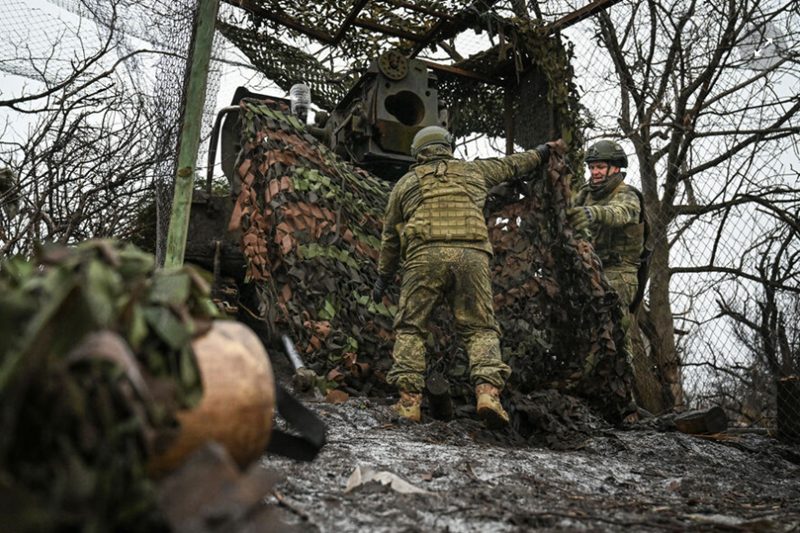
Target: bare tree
column 702, row 101
column 82, row 167
column 765, row 326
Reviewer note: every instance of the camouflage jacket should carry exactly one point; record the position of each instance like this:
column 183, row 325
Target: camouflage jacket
column 407, row 196
column 618, row 235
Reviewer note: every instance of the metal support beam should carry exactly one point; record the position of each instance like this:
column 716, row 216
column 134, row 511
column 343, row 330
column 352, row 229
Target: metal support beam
column 581, row 14
column 190, row 132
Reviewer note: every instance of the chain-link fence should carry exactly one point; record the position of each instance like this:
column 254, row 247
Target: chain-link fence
column 708, row 120
column 721, row 195
column 65, row 53
column 728, row 214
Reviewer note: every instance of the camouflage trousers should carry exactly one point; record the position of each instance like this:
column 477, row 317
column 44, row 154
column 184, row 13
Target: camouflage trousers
column 461, row 277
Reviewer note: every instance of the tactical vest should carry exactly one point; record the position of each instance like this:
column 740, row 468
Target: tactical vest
column 451, row 207
column 621, row 245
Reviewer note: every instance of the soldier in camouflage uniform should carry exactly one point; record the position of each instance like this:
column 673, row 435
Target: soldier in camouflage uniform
column 612, row 211
column 434, row 224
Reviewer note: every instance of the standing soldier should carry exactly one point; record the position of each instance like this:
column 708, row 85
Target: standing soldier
column 613, row 212
column 434, row 223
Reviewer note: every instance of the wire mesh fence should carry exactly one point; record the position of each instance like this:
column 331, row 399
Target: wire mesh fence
column 732, row 285
column 719, row 324
column 73, row 50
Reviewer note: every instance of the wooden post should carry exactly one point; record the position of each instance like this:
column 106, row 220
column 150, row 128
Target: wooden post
column 788, row 411
column 508, row 117
column 190, row 133
column 703, row 422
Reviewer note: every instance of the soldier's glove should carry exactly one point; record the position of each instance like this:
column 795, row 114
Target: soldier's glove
column 379, row 289
column 581, row 218
column 544, row 152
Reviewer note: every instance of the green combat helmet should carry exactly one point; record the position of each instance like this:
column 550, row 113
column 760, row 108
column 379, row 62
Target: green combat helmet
column 429, row 136
column 609, row 151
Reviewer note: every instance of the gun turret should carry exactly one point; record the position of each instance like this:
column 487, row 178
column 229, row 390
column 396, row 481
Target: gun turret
column 375, row 122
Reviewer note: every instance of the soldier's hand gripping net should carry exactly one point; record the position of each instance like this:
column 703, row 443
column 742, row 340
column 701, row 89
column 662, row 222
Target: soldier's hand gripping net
column 544, row 152
column 581, row 217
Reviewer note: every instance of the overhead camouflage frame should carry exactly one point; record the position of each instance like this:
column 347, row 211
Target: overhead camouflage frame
column 528, row 61
column 311, row 225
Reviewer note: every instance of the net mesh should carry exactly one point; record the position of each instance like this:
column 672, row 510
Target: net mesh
column 145, row 42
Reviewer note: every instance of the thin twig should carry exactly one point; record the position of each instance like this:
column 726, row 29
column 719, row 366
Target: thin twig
column 296, row 510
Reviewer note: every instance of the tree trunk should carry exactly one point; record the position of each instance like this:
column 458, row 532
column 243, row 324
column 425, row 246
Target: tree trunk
column 663, row 339
column 648, row 389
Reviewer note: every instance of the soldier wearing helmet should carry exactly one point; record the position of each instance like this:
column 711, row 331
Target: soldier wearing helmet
column 613, row 213
column 434, row 224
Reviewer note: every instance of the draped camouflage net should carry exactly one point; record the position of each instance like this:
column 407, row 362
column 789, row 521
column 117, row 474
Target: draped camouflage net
column 311, row 228
column 310, row 231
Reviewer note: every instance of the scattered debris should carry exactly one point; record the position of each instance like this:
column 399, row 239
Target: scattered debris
column 362, row 475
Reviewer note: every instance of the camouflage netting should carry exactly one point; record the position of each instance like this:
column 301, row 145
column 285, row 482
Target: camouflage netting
column 95, row 358
column 311, row 229
column 311, row 234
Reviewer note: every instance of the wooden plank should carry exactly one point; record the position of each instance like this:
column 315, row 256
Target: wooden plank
column 388, row 30
column 419, row 9
column 259, row 11
column 443, row 24
column 351, row 17
column 581, row 14
column 462, row 72
column 190, row 133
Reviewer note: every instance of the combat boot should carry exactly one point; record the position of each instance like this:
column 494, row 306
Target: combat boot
column 489, row 407
column 409, row 405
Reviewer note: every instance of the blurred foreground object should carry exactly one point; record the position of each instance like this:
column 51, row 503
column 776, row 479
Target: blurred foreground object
column 238, row 398
column 95, row 358
column 110, row 368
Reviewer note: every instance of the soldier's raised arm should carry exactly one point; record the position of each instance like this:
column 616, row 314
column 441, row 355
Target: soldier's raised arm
column 623, row 209
column 515, row 166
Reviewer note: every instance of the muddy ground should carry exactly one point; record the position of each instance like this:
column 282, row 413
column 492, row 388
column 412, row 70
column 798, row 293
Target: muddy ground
column 632, row 479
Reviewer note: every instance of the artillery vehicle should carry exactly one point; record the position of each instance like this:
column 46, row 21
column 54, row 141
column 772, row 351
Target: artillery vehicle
column 371, row 127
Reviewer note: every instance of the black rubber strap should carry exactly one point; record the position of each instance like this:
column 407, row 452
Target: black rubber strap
column 311, row 438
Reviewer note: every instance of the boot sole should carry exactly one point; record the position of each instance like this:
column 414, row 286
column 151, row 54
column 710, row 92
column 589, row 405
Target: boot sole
column 492, row 418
